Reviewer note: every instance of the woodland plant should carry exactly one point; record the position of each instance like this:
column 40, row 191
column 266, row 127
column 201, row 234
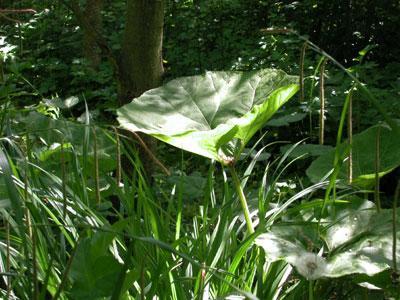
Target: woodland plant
column 214, row 115
column 191, row 120
column 77, row 225
column 66, row 238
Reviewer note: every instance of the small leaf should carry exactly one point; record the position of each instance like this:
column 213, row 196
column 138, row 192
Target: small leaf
column 71, row 101
column 306, row 150
column 286, row 120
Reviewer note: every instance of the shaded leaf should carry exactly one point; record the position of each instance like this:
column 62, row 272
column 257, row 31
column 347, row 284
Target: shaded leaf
column 363, row 157
column 53, row 132
column 306, row 150
column 94, row 270
column 191, row 186
column 286, row 120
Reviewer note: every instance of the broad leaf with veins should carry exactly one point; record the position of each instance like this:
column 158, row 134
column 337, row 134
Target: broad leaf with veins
column 213, row 115
column 358, row 240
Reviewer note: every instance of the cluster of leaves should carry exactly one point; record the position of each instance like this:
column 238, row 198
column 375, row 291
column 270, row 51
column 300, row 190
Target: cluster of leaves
column 222, row 35
column 46, row 60
column 342, row 28
column 203, row 131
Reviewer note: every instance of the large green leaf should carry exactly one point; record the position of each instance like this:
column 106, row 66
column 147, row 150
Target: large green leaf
column 213, row 115
column 94, row 270
column 364, row 151
column 359, row 241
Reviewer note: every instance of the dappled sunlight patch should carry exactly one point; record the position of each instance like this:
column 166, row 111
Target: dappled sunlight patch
column 310, row 265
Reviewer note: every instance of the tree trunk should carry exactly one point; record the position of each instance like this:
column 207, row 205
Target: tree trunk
column 140, row 62
column 139, row 67
column 90, row 47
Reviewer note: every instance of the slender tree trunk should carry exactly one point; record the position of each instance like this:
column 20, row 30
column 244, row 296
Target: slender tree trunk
column 141, row 56
column 90, row 48
column 139, row 66
column 140, row 63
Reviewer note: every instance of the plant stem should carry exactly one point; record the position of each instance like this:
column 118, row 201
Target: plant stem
column 301, row 79
column 242, row 199
column 337, row 162
column 35, row 267
column 377, row 168
column 392, row 124
column 8, row 257
column 118, row 145
column 322, row 102
column 67, row 268
column 350, row 135
column 394, row 224
column 310, row 95
column 63, row 180
column 96, row 166
column 310, row 290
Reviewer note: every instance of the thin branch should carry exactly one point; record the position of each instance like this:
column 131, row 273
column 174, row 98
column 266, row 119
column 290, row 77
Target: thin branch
column 96, row 167
column 276, row 30
column 150, row 153
column 10, row 19
column 5, row 11
column 118, row 144
column 18, row 11
column 301, row 79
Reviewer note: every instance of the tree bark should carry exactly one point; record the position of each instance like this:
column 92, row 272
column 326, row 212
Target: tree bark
column 90, row 48
column 140, row 62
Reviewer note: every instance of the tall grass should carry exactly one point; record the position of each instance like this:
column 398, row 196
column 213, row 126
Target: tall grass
column 75, row 231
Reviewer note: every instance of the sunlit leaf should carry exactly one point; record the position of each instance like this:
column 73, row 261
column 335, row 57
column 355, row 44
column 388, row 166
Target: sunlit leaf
column 359, row 242
column 213, row 115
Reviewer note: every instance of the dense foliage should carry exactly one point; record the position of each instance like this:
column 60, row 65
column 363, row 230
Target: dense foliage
column 274, row 199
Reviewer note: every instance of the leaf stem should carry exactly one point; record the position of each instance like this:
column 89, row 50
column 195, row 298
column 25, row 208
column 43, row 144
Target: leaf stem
column 243, row 201
column 350, row 134
column 310, row 290
column 96, row 166
column 377, row 168
column 301, row 79
column 322, row 102
column 394, row 224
